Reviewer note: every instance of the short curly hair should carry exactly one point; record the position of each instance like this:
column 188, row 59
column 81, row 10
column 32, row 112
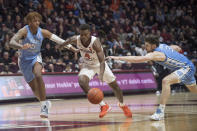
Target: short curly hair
column 84, row 27
column 30, row 16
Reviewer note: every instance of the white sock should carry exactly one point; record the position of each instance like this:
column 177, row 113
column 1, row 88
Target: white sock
column 121, row 104
column 162, row 107
column 43, row 102
column 102, row 103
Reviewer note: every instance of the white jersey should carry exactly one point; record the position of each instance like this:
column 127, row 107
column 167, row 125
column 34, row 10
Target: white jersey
column 88, row 53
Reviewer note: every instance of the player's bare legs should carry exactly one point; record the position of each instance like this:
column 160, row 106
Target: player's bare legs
column 166, row 89
column 192, row 88
column 37, row 84
column 118, row 93
column 40, row 83
column 38, row 87
column 33, row 85
column 84, row 84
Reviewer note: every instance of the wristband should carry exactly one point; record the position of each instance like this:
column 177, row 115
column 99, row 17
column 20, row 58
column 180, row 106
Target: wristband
column 57, row 39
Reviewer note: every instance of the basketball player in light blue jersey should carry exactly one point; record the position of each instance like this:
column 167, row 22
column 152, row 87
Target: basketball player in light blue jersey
column 182, row 68
column 30, row 61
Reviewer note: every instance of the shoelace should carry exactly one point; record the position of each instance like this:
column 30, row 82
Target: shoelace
column 102, row 108
column 44, row 108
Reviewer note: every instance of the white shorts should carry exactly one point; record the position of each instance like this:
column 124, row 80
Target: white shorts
column 90, row 72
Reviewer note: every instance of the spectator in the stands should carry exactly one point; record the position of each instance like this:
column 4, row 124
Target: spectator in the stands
column 48, row 51
column 6, row 60
column 6, row 70
column 174, row 22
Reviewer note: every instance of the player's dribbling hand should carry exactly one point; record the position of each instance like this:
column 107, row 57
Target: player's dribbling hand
column 27, row 46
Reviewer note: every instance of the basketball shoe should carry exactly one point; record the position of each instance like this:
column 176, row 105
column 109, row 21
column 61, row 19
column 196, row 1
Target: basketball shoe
column 158, row 115
column 126, row 110
column 104, row 110
column 45, row 109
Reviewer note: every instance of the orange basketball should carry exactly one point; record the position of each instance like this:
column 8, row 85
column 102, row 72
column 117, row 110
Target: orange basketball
column 95, row 95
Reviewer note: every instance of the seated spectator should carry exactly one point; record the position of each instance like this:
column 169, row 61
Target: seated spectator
column 13, row 67
column 66, row 59
column 141, row 51
column 15, row 57
column 6, row 70
column 166, row 36
column 59, row 66
column 47, row 51
column 6, row 60
column 125, row 22
column 50, row 68
column 56, row 52
column 68, row 68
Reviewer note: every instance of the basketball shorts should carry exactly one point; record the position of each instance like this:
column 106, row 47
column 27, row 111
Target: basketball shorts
column 90, row 72
column 26, row 67
column 186, row 75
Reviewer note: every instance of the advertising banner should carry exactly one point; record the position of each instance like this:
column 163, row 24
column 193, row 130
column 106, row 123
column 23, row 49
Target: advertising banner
column 16, row 87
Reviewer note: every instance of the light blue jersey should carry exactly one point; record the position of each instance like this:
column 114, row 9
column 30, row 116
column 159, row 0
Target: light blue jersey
column 35, row 40
column 29, row 57
column 178, row 63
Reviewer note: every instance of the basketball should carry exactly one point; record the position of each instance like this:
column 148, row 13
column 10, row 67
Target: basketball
column 95, row 95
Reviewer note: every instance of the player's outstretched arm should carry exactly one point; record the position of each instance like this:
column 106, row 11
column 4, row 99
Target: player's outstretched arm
column 154, row 56
column 14, row 42
column 58, row 40
column 72, row 48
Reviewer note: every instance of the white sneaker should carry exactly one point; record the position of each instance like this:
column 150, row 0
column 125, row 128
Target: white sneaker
column 157, row 93
column 158, row 115
column 159, row 125
column 45, row 109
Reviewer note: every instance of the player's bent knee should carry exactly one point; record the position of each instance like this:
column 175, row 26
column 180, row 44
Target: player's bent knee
column 113, row 84
column 165, row 81
column 82, row 80
column 38, row 75
column 192, row 88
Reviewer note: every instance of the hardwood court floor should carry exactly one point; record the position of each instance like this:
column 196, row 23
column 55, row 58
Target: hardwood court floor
column 80, row 115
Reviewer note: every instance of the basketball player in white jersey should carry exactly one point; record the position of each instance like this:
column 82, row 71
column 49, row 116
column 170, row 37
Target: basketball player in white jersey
column 94, row 63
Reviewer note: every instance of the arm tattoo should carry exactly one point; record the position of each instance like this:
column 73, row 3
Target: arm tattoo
column 72, row 40
column 14, row 42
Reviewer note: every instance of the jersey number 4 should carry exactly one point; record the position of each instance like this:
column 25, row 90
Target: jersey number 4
column 87, row 56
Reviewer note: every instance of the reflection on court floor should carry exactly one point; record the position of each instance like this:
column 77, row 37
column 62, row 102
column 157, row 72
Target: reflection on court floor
column 79, row 115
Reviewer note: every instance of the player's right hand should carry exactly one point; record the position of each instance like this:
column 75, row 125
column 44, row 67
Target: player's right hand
column 26, row 46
